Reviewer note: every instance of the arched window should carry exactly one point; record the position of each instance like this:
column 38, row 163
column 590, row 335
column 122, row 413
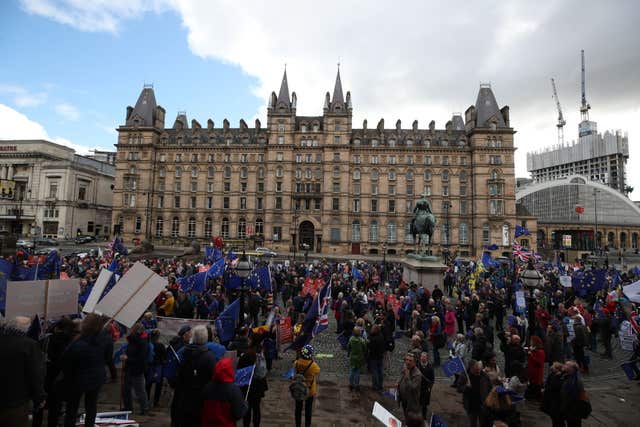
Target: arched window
column 260, row 173
column 191, row 231
column 211, row 171
column 464, row 234
column 279, row 172
column 374, row 174
column 427, row 175
column 243, row 173
column 159, row 226
column 227, row 171
column 445, row 175
column 485, row 234
column 242, row 229
column 162, row 172
column 138, row 224
column 409, row 175
column 373, row 232
column 392, row 175
column 307, row 173
column 225, row 228
column 178, row 172
column 133, row 170
column 408, row 237
column 298, row 173
column 463, row 176
column 336, row 172
column 495, row 174
column 259, row 230
column 175, row 227
column 194, row 172
column 355, row 231
column 392, row 236
column 207, row 227
column 356, row 174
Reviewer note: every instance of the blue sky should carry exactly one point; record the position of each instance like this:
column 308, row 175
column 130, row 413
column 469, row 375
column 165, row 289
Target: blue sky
column 77, row 85
column 70, row 67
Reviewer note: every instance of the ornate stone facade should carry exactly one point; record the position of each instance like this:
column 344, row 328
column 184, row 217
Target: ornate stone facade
column 316, row 180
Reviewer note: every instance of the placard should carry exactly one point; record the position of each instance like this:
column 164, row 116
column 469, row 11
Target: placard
column 96, row 291
column 47, row 298
column 62, row 298
column 384, row 416
column 520, row 300
column 626, row 336
column 130, row 298
column 565, row 281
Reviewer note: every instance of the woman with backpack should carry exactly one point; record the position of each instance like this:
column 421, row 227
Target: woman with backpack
column 304, row 387
column 254, row 391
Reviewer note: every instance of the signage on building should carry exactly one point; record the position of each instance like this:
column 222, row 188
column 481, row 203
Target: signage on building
column 7, row 189
column 566, row 240
column 8, row 148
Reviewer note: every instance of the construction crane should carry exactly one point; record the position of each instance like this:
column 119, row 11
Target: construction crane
column 584, row 108
column 561, row 120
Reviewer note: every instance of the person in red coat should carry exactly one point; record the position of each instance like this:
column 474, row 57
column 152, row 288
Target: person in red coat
column 535, row 367
column 224, row 403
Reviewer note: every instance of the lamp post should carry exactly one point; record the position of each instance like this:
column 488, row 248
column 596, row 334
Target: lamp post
column 595, row 211
column 532, row 279
column 384, row 262
column 243, row 270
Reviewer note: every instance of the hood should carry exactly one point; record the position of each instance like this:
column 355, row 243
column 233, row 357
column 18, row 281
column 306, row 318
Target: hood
column 223, row 371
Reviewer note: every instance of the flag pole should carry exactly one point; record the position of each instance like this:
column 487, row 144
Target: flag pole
column 431, row 420
column 250, row 380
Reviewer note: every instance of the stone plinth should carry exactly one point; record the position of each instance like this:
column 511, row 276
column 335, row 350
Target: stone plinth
column 426, row 272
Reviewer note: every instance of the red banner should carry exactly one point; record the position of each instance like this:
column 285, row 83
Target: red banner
column 285, row 334
column 311, row 286
column 379, row 297
column 36, row 259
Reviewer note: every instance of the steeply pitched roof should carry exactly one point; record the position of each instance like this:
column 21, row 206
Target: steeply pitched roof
column 182, row 118
column 487, row 108
column 457, row 122
column 145, row 108
column 338, row 97
column 283, row 95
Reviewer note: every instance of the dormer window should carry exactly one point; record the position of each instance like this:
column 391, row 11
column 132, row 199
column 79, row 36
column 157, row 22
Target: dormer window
column 303, row 128
column 316, row 127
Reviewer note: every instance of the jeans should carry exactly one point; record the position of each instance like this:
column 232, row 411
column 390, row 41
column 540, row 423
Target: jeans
column 354, row 377
column 253, row 412
column 90, row 408
column 135, row 383
column 375, row 366
column 308, row 407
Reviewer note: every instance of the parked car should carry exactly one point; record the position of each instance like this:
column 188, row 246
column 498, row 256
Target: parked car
column 267, row 252
column 85, row 239
column 45, row 241
column 24, row 243
column 45, row 251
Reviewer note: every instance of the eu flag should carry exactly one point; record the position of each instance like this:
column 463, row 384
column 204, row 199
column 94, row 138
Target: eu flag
column 226, row 322
column 6, row 269
column 436, row 421
column 356, row 273
column 521, row 231
column 216, row 269
column 212, row 254
column 261, row 278
column 453, row 366
column 194, row 283
column 487, row 261
column 244, row 375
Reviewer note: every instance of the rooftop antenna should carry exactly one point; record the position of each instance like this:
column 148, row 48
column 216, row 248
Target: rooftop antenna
column 585, row 107
column 561, row 120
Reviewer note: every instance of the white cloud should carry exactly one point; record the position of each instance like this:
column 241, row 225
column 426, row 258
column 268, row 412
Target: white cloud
column 421, row 60
column 22, row 97
column 67, row 111
column 15, row 125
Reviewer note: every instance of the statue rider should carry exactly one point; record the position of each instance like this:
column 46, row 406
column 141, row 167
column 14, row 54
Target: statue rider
column 422, row 207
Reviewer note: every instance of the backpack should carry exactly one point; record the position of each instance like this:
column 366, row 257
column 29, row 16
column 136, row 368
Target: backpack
column 298, row 388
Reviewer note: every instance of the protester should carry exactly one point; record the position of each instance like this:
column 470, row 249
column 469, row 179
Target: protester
column 193, row 374
column 377, row 348
column 83, row 366
column 572, row 394
column 428, row 379
column 154, row 370
column 535, row 367
column 552, row 399
column 357, row 349
column 255, row 391
column 135, row 361
column 223, row 402
column 182, row 339
column 309, row 369
column 21, row 373
column 409, row 385
column 474, row 394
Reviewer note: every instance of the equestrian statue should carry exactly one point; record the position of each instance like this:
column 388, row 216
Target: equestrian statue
column 423, row 225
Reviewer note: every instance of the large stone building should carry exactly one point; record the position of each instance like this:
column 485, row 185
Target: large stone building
column 315, row 181
column 57, row 193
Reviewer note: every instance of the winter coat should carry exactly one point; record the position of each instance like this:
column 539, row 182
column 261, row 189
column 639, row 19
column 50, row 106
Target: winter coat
column 223, row 402
column 357, row 348
column 450, row 322
column 409, row 391
column 137, row 354
column 194, row 372
column 258, row 385
column 535, row 366
column 377, row 346
column 552, row 399
column 553, row 348
column 21, row 369
column 476, row 392
column 301, row 366
column 428, row 378
column 83, row 363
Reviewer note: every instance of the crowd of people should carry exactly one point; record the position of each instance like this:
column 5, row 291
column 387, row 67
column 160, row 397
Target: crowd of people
column 472, row 318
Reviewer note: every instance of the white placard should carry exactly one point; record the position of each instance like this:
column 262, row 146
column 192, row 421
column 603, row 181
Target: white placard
column 130, row 298
column 520, row 300
column 626, row 336
column 62, row 298
column 384, row 416
column 632, row 291
column 29, row 298
column 565, row 281
column 97, row 290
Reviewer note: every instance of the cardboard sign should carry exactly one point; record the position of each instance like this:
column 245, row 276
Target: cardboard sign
column 170, row 326
column 565, row 281
column 384, row 416
column 97, row 290
column 521, row 301
column 47, row 298
column 132, row 295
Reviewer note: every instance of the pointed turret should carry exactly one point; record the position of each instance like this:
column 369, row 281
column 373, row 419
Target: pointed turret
column 337, row 101
column 457, row 121
column 283, row 102
column 144, row 113
column 487, row 111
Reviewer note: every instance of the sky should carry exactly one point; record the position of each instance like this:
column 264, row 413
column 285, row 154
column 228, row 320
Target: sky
column 71, row 67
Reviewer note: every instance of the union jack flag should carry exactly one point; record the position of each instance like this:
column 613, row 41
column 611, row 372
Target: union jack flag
column 322, row 321
column 522, row 253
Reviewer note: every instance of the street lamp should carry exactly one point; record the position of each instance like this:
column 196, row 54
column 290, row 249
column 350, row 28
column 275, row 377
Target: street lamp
column 532, row 279
column 243, row 270
column 384, row 262
column 596, row 247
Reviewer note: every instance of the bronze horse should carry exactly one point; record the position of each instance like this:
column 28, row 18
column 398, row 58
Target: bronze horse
column 423, row 224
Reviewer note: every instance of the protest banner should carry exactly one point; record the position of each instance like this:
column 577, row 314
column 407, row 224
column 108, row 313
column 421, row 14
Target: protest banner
column 96, row 291
column 626, row 335
column 565, row 281
column 135, row 291
column 384, row 416
column 47, row 298
column 285, row 334
column 169, row 326
column 521, row 304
